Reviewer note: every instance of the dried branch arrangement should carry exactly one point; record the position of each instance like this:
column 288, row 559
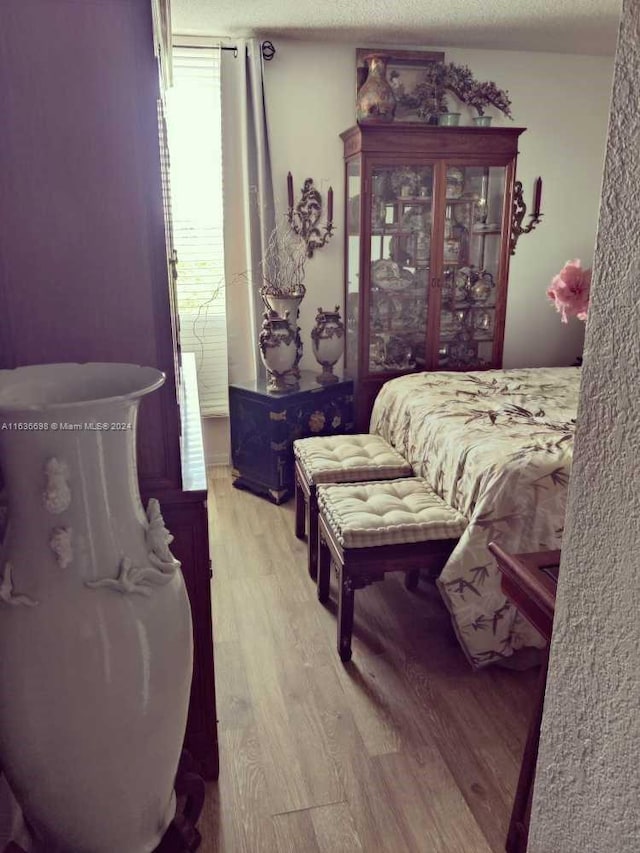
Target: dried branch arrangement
column 282, row 269
column 429, row 97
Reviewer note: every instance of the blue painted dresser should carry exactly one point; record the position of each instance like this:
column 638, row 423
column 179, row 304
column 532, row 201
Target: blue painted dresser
column 265, row 424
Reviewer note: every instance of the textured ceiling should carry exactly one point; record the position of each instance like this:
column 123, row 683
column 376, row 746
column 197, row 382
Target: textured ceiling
column 559, row 26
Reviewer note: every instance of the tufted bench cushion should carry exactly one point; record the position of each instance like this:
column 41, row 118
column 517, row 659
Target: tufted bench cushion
column 368, row 529
column 349, row 458
column 390, row 512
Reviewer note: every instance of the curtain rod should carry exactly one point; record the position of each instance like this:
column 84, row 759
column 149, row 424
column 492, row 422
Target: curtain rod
column 267, row 48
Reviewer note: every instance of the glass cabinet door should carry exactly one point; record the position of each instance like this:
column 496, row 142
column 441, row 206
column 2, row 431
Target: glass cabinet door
column 401, row 220
column 472, row 241
column 352, row 268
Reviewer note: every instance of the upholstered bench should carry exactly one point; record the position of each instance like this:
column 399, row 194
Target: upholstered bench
column 338, row 459
column 369, row 529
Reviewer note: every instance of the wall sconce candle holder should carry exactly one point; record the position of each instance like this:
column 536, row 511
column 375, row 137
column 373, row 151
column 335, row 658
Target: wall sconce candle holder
column 304, row 217
column 519, row 210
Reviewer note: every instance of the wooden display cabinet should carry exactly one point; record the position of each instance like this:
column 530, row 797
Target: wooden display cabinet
column 428, row 221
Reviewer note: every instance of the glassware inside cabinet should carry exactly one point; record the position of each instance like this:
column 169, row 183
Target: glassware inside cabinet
column 471, row 265
column 401, row 214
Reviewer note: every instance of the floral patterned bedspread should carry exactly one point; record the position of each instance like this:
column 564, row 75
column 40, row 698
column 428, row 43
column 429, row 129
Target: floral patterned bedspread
column 496, row 445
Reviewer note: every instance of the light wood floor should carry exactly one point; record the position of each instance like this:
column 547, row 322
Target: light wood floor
column 402, row 749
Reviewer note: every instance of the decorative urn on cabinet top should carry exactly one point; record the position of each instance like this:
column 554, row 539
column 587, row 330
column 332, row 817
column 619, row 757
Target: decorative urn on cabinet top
column 287, row 306
column 279, row 351
column 95, row 625
column 327, row 338
column 375, row 101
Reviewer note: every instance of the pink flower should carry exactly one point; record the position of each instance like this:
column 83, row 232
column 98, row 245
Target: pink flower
column 569, row 291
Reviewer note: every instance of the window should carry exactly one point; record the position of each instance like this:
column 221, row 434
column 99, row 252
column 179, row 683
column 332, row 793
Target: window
column 195, row 151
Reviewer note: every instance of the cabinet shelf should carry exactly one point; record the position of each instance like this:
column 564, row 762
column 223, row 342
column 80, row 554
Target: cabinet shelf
column 411, row 199
column 397, row 232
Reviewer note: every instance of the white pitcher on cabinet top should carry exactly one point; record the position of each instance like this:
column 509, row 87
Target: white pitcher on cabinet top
column 95, row 625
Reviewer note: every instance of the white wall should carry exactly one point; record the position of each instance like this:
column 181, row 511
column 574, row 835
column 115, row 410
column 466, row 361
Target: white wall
column 216, row 439
column 588, row 777
column 563, row 100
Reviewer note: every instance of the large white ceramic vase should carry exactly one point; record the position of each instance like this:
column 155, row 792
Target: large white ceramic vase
column 95, row 626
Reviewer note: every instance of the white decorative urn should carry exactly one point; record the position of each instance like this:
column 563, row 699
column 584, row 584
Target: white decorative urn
column 287, row 305
column 279, row 350
column 327, row 338
column 95, row 626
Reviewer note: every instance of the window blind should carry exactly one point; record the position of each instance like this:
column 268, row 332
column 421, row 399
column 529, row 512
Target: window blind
column 195, row 154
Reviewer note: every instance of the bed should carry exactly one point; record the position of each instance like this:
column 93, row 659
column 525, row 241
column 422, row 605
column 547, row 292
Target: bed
column 496, row 445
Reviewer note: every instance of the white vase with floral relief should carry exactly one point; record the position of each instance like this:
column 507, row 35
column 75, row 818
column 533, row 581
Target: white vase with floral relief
column 95, row 626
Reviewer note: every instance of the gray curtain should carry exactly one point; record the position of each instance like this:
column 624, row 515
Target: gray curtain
column 249, row 215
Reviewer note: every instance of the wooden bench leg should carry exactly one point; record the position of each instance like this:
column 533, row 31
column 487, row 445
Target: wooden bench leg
column 300, row 509
column 324, row 569
column 313, row 535
column 411, row 579
column 345, row 616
